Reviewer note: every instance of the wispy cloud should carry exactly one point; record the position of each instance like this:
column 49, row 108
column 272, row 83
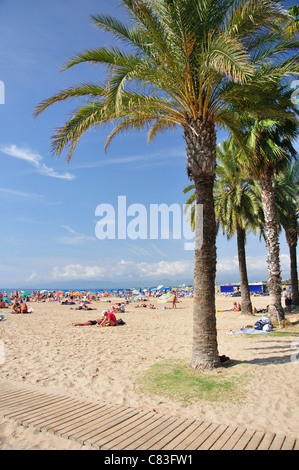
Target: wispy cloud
column 75, row 238
column 20, row 194
column 34, row 159
column 150, row 159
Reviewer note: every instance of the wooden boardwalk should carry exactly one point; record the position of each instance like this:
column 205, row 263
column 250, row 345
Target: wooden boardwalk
column 110, row 427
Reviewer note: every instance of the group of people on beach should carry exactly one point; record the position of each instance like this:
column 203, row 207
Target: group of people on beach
column 16, row 301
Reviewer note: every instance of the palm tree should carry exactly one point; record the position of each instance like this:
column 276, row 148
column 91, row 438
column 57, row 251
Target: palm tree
column 271, row 143
column 182, row 59
column 286, row 190
column 238, row 209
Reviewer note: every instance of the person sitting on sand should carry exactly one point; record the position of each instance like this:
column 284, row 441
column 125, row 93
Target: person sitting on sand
column 23, row 307
column 109, row 319
column 16, row 308
column 236, row 307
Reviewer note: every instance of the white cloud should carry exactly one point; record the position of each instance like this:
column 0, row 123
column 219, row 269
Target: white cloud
column 23, row 154
column 33, row 276
column 46, row 171
column 34, row 159
column 77, row 271
column 129, row 270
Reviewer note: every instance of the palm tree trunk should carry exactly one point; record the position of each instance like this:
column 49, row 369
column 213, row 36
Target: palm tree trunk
column 272, row 243
column 292, row 239
column 201, row 163
column 246, row 305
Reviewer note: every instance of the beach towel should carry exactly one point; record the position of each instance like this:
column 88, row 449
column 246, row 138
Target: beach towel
column 248, row 331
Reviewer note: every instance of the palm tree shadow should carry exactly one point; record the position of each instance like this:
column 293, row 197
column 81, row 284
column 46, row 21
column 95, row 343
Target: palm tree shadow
column 263, row 361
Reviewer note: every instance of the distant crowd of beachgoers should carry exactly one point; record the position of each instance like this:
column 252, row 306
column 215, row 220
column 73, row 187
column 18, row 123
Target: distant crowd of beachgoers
column 17, row 300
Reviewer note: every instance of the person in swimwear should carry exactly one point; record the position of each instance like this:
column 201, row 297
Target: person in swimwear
column 109, row 319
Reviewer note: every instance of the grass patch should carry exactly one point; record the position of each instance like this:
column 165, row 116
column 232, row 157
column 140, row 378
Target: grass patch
column 286, row 328
column 174, row 379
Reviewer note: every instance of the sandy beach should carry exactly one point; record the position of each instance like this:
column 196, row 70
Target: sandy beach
column 44, row 349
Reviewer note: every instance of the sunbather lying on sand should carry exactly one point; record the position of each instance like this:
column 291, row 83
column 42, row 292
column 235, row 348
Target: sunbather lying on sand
column 108, row 319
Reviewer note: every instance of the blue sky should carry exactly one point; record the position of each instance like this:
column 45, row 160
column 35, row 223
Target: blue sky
column 47, row 206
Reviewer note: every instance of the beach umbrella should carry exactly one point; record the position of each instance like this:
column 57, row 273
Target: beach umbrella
column 6, row 299
column 135, row 292
column 24, row 294
column 166, row 297
column 60, row 292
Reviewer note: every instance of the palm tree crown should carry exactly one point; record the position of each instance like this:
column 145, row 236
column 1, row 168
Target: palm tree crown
column 181, row 57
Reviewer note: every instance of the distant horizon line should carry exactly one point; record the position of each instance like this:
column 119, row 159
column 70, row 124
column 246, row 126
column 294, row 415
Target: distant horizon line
column 136, row 286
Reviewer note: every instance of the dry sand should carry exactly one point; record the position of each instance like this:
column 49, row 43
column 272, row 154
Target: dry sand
column 45, row 350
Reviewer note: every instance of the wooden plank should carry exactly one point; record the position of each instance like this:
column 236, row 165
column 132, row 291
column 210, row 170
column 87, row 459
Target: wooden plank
column 230, row 443
column 179, row 429
column 60, row 422
column 150, row 424
column 14, row 398
column 159, row 435
column 15, row 393
column 100, row 425
column 243, row 441
column 130, row 428
column 255, row 440
column 214, row 437
column 198, row 441
column 38, row 419
column 159, row 426
column 175, row 443
column 65, row 426
column 87, row 427
column 266, row 441
column 288, row 443
column 43, row 408
column 31, row 405
column 277, row 442
column 197, row 431
column 54, row 412
column 223, row 438
column 108, row 438
column 296, row 446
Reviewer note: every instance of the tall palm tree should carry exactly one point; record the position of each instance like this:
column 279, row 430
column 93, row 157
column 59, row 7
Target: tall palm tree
column 238, row 209
column 237, row 206
column 182, row 59
column 271, row 142
column 286, row 190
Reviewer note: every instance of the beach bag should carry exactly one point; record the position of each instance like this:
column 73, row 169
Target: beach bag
column 120, row 322
column 258, row 325
column 267, row 327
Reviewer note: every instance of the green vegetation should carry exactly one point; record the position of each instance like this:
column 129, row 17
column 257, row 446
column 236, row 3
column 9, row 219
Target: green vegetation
column 174, row 379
